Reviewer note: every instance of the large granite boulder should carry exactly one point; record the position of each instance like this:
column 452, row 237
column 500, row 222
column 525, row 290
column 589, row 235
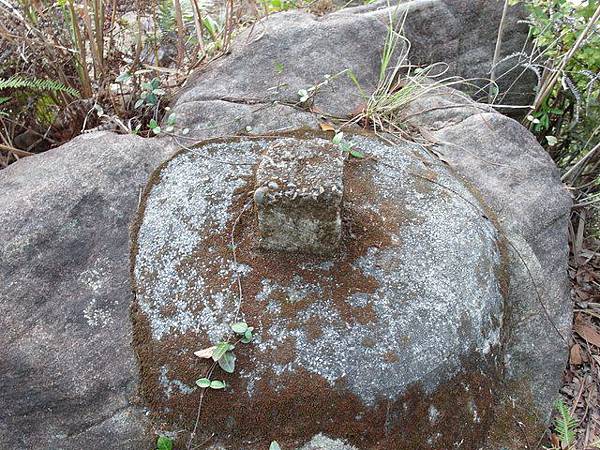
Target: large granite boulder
column 287, row 52
column 69, row 374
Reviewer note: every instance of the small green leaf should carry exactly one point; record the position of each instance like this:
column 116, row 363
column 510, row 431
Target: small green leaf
column 139, row 103
column 338, row 138
column 551, row 140
column 227, row 362
column 203, row 382
column 357, row 154
column 151, row 99
column 164, row 443
column 216, row 384
column 123, row 78
column 172, row 119
column 156, row 130
column 152, row 124
column 247, row 336
column 239, row 327
column 220, row 349
column 274, row 446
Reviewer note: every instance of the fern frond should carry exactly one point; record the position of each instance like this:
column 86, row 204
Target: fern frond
column 17, row 82
column 565, row 425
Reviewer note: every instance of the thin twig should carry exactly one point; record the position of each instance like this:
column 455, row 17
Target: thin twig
column 193, row 434
column 497, row 51
column 246, row 207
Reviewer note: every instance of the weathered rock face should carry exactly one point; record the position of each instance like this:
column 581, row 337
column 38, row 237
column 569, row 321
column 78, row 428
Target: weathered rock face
column 67, row 374
column 291, row 51
column 375, row 336
column 462, row 34
column 488, row 149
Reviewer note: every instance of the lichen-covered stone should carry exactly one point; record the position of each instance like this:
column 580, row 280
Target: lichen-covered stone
column 298, row 197
column 407, row 314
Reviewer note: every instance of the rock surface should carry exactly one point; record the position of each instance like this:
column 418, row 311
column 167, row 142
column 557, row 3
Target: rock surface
column 488, row 149
column 267, row 66
column 407, row 309
column 68, row 376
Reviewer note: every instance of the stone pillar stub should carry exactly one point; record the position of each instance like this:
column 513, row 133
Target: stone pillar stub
column 299, row 188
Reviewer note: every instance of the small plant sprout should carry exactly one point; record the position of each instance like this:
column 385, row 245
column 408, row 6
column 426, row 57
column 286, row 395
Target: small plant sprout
column 304, row 95
column 153, row 125
column 243, row 330
column 347, row 147
column 151, row 92
column 214, row 384
column 274, row 446
column 164, row 443
column 171, row 121
column 222, row 354
column 565, row 424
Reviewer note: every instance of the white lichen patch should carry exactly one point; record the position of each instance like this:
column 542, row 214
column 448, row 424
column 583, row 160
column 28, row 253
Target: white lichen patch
column 190, row 202
column 434, row 414
column 437, row 299
column 93, row 280
column 170, row 385
column 96, row 316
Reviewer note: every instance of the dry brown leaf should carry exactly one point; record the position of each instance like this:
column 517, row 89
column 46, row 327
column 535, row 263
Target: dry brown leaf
column 587, row 332
column 575, row 355
column 205, row 353
column 325, row 126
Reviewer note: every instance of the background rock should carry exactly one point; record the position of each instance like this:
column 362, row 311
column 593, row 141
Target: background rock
column 68, row 376
column 290, row 51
